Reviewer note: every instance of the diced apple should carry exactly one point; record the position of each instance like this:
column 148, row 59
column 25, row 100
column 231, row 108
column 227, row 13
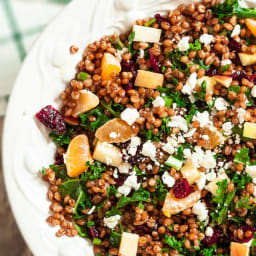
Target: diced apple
column 129, row 244
column 107, row 153
column 238, row 249
column 173, row 205
column 109, row 65
column 223, row 80
column 71, row 120
column 210, row 83
column 87, row 101
column 249, row 130
column 251, row 24
column 149, row 79
column 212, row 186
column 190, row 172
column 146, row 34
column 247, row 59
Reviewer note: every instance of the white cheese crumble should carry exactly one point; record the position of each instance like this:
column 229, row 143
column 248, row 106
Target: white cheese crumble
column 129, row 115
column 221, row 104
column 158, row 102
column 251, row 171
column 210, row 176
column 179, row 122
column 183, row 44
column 201, row 181
column 129, row 184
column 190, row 84
column 236, row 31
column 91, row 210
column 203, row 118
column 200, row 210
column 209, row 231
column 113, row 135
column 149, row 149
column 135, row 142
column 240, row 114
column 206, row 39
column 253, row 91
column 112, row 221
column 226, row 62
column 124, row 168
column 189, row 133
column 168, row 179
column 115, row 174
column 227, row 128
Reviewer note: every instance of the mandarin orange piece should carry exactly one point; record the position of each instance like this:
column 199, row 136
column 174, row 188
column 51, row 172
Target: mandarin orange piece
column 115, row 131
column 77, row 155
column 109, row 66
column 87, row 101
column 238, row 249
column 251, row 24
column 174, row 205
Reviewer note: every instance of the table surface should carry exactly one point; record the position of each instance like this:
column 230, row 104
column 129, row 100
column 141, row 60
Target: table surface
column 11, row 242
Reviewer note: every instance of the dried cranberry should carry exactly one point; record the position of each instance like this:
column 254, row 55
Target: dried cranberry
column 212, row 71
column 234, row 46
column 209, row 240
column 182, row 189
column 159, row 18
column 93, row 232
column 130, row 66
column 59, row 159
column 126, row 66
column 154, row 63
column 143, row 230
column 52, row 118
column 246, row 228
column 252, row 78
column 238, row 76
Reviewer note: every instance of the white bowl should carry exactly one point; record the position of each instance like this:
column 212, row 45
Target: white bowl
column 44, row 74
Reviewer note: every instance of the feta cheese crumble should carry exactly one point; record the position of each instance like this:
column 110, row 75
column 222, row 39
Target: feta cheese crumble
column 200, row 210
column 201, row 181
column 190, row 84
column 129, row 115
column 236, row 31
column 124, row 168
column 129, row 184
column 251, row 171
column 183, row 44
column 203, row 118
column 112, row 221
column 240, row 114
column 226, row 62
column 253, row 91
column 178, row 122
column 221, row 104
column 149, row 149
column 206, row 39
column 209, row 231
column 168, row 179
column 158, row 102
column 227, row 128
column 135, row 142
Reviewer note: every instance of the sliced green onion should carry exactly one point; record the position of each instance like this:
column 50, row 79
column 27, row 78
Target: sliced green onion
column 96, row 241
column 149, row 23
column 82, row 76
column 119, row 44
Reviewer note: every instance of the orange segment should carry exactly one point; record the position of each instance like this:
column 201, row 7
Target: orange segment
column 87, row 101
column 251, row 24
column 115, row 131
column 78, row 154
column 238, row 249
column 109, row 66
column 173, row 205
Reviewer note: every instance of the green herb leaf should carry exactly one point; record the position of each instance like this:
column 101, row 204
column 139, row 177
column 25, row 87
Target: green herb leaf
column 160, row 192
column 242, row 156
column 192, row 111
column 96, row 241
column 43, row 171
column 150, row 22
column 244, row 203
column 61, row 139
column 196, row 46
column 94, row 172
column 224, row 68
column 82, row 231
column 119, row 44
column 60, row 172
column 82, row 76
column 114, row 211
column 130, row 43
column 114, row 238
column 171, row 241
column 90, row 223
column 200, row 96
column 114, row 108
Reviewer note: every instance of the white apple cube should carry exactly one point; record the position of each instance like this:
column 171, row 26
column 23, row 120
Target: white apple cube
column 249, row 130
column 247, row 59
column 190, row 172
column 146, row 34
column 212, row 186
column 149, row 79
column 129, row 244
column 107, row 154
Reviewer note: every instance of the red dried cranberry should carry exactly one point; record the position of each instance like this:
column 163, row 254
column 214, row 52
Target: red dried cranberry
column 212, row 71
column 120, row 180
column 52, row 118
column 239, row 76
column 182, row 189
column 93, row 232
column 246, row 228
column 209, row 240
column 159, row 18
column 234, row 45
column 252, row 78
column 154, row 63
column 143, row 230
column 59, row 159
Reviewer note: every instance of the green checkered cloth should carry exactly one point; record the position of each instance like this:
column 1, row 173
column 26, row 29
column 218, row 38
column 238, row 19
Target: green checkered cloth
column 20, row 24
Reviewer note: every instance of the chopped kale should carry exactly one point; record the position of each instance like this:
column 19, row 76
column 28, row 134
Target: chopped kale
column 192, row 111
column 130, row 42
column 225, row 68
column 114, row 211
column 114, row 238
column 150, row 22
column 115, row 109
column 61, row 139
column 242, row 156
column 94, row 171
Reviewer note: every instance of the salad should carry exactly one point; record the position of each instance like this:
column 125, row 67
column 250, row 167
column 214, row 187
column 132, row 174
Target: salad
column 156, row 137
